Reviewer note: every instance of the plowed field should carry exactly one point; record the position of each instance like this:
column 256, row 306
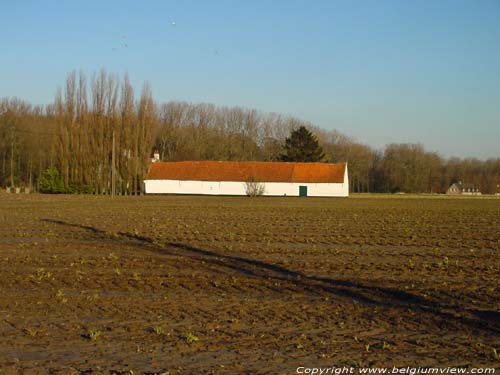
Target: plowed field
column 221, row 285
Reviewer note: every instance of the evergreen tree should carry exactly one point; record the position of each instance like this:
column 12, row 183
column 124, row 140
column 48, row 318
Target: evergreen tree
column 302, row 146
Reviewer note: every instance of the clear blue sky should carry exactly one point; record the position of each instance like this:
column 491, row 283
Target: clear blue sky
column 380, row 71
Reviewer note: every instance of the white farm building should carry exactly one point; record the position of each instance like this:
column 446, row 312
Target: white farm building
column 235, row 178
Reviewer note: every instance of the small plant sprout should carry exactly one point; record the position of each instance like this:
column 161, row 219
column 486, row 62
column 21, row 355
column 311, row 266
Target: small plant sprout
column 93, row 298
column 94, row 334
column 42, row 274
column 79, row 275
column 495, row 354
column 60, row 296
column 190, row 338
column 159, row 330
column 444, row 263
column 112, row 256
column 30, row 332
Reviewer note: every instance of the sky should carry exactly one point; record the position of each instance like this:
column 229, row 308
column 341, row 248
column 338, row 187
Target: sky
column 379, row 71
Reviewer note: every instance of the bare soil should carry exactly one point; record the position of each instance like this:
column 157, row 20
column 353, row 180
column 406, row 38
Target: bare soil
column 221, row 285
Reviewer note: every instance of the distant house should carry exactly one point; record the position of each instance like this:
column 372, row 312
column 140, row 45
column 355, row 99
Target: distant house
column 236, row 178
column 459, row 188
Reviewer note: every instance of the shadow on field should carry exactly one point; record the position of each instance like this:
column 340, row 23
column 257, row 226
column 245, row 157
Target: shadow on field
column 488, row 320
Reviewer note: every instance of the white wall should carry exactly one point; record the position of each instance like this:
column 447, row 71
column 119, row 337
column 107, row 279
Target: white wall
column 239, row 188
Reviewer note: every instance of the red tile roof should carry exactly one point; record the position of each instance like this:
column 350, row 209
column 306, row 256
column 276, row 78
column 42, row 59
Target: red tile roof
column 247, row 170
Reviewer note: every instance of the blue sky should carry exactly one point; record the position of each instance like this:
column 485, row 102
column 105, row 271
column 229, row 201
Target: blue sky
column 380, row 71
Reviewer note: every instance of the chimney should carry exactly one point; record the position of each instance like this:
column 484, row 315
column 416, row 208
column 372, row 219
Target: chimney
column 156, row 156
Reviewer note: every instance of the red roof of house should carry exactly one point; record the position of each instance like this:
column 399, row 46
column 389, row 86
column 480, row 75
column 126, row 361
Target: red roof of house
column 247, row 170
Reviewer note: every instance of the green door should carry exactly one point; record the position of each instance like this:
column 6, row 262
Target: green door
column 302, row 191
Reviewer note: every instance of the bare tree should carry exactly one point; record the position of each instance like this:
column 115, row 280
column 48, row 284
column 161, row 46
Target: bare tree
column 75, row 135
column 254, row 188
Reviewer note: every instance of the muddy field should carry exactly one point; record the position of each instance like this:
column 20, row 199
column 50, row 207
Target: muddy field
column 197, row 285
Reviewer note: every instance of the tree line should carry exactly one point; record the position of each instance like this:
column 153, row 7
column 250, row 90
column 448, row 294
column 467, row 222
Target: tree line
column 98, row 136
